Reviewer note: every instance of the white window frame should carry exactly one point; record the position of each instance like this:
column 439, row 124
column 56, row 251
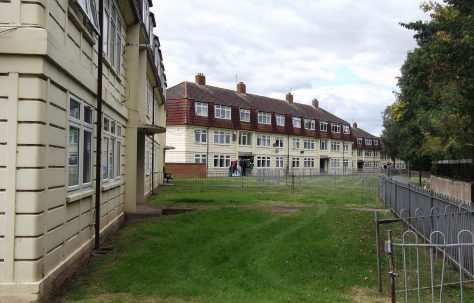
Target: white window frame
column 296, row 122
column 201, row 135
column 200, row 158
column 345, row 129
column 323, row 126
column 263, row 161
column 335, row 163
column 308, row 144
column 376, row 142
column 111, row 153
column 308, row 162
column 83, row 127
column 223, row 161
column 295, row 162
column 89, row 9
column 279, row 142
column 221, row 137
column 245, row 138
column 359, row 153
column 335, row 128
column 279, row 162
column 280, row 120
column 222, row 112
column 323, row 145
column 295, row 143
column 201, row 109
column 264, row 118
column 359, row 141
column 346, row 147
column 244, row 115
column 263, row 141
column 368, row 141
column 335, row 146
column 309, row 124
column 368, row 153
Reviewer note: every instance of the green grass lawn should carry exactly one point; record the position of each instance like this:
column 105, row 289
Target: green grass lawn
column 236, row 255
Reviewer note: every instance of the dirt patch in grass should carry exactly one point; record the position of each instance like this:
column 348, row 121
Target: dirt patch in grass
column 366, row 295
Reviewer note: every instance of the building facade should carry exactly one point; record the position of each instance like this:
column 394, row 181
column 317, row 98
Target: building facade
column 48, row 131
column 216, row 126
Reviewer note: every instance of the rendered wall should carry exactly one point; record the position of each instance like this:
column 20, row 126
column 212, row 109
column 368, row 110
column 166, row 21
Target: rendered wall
column 457, row 189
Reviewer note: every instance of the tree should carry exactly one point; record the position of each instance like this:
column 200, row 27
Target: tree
column 433, row 115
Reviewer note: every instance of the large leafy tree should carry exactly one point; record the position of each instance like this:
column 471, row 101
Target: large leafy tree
column 433, row 116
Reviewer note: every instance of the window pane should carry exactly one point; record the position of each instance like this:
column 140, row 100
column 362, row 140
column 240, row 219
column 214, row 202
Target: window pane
column 87, row 154
column 111, row 158
column 73, row 162
column 88, row 114
column 75, row 109
column 118, row 157
column 105, row 145
column 106, row 33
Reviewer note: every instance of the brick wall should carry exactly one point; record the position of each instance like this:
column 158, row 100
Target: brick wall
column 186, row 170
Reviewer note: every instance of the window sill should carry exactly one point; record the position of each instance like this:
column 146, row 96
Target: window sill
column 109, row 186
column 76, row 196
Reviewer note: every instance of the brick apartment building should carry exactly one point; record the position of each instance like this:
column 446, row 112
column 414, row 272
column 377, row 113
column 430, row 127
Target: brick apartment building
column 214, row 126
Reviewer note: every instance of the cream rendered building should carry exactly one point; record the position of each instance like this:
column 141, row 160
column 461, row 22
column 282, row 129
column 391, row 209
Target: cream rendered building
column 48, row 127
column 215, row 126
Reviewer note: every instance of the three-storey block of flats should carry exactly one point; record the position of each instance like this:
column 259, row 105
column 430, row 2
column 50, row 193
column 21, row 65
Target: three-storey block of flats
column 216, row 126
column 48, row 132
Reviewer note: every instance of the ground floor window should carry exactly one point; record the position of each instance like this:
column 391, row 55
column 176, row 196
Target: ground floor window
column 308, row 162
column 79, row 144
column 263, row 161
column 295, row 162
column 200, row 158
column 221, row 161
column 335, row 163
column 279, row 162
column 346, row 163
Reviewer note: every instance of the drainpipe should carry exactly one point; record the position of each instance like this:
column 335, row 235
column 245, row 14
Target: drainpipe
column 153, row 142
column 98, row 167
column 207, row 150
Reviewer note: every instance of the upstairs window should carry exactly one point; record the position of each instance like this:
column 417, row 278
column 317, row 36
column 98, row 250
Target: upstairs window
column 335, row 146
column 359, row 141
column 200, row 136
column 309, row 124
column 376, row 142
column 200, row 109
column 280, row 120
column 245, row 138
column 368, row 141
column 222, row 112
column 296, row 122
column 221, row 137
column 89, row 9
column 279, row 142
column 264, row 118
column 245, row 115
column 308, row 144
column 146, row 13
column 345, row 129
column 323, row 126
column 323, row 145
column 113, row 28
column 335, row 128
column 263, row 141
column 296, row 143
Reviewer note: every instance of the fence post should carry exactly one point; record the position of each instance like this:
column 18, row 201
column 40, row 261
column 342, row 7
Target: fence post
column 391, row 265
column 377, row 246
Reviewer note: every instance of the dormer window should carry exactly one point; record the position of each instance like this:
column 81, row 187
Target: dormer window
column 376, row 142
column 264, row 118
column 368, row 141
column 296, row 122
column 200, row 109
column 345, row 129
column 222, row 112
column 245, row 115
column 280, row 120
column 359, row 141
column 309, row 124
column 323, row 126
column 335, row 128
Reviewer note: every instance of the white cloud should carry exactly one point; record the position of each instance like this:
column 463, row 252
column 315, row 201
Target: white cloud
column 346, row 53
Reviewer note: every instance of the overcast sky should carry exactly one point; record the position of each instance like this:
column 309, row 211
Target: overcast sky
column 346, row 53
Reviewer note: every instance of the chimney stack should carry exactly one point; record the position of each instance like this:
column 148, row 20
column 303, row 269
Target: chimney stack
column 289, row 98
column 241, row 88
column 315, row 103
column 200, row 79
column 354, row 125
